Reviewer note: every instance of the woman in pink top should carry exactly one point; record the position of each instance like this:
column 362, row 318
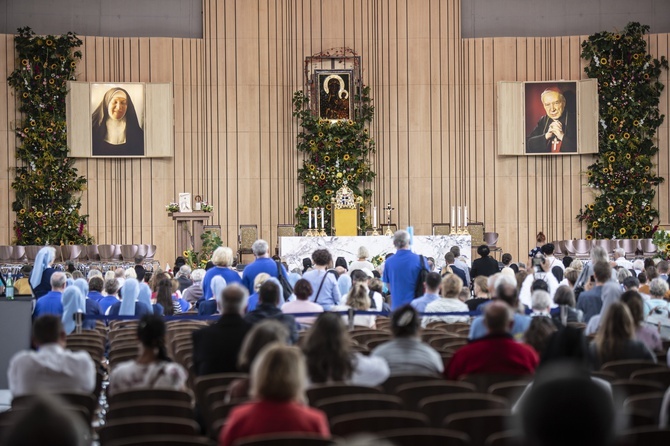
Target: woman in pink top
column 302, row 290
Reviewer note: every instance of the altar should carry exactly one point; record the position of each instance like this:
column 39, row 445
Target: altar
column 293, row 249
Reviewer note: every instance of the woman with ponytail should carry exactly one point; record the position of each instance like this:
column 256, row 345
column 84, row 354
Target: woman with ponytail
column 152, row 369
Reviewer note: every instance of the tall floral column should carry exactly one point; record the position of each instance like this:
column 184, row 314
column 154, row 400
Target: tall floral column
column 623, row 176
column 47, row 185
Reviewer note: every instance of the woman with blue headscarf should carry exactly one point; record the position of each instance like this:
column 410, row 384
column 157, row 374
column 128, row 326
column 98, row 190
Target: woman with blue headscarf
column 209, row 306
column 72, row 304
column 292, row 280
column 92, row 307
column 40, row 278
column 129, row 306
column 144, row 297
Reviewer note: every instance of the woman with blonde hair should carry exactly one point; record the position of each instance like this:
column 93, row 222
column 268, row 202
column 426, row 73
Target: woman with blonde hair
column 278, row 383
column 259, row 280
column 222, row 258
column 362, row 262
column 449, row 302
column 358, row 299
column 615, row 339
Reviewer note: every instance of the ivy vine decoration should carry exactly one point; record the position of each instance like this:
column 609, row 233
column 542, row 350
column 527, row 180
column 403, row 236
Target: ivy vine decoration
column 46, row 184
column 623, row 174
column 335, row 153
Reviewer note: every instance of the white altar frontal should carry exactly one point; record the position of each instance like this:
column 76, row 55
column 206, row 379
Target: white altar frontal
column 293, row 249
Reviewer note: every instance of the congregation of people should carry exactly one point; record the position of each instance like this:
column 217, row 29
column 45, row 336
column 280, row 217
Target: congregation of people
column 552, row 324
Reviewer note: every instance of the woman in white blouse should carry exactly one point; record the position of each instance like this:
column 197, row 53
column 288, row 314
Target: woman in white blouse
column 152, row 369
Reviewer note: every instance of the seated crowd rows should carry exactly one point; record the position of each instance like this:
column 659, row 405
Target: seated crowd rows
column 565, row 326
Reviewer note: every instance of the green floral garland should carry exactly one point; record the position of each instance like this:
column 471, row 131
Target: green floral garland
column 47, row 209
column 623, row 175
column 336, row 153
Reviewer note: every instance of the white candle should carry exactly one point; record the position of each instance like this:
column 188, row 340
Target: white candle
column 374, row 216
column 458, row 218
column 309, row 210
column 322, row 212
column 453, row 216
column 465, row 217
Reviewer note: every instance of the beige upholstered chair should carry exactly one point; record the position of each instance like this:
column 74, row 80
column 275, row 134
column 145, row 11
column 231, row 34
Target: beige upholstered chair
column 247, row 236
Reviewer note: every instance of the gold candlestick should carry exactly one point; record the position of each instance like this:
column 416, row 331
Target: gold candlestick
column 374, row 231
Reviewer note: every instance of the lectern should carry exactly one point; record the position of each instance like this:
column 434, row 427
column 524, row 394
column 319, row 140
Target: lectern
column 189, row 224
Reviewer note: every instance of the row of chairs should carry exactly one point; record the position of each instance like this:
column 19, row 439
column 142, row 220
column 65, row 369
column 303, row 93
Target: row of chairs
column 581, row 248
column 81, row 253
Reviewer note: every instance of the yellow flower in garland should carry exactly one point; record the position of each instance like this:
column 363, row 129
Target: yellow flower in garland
column 39, row 214
column 646, row 168
column 603, row 61
column 70, row 243
column 346, row 157
column 339, row 181
column 33, row 123
column 605, row 170
column 53, row 184
column 667, row 247
column 589, row 237
column 337, row 140
column 51, row 81
column 617, row 36
column 361, row 209
column 22, row 211
column 626, row 135
column 622, row 231
column 326, row 158
column 49, row 42
column 590, row 207
column 53, row 66
column 628, row 156
column 315, row 198
column 26, row 130
column 611, row 137
column 73, row 64
column 185, row 253
column 24, row 62
column 636, row 123
column 320, row 134
column 50, row 130
column 595, row 224
column 620, row 201
column 359, row 199
column 615, row 119
column 339, row 175
column 25, row 95
column 312, row 167
column 359, row 170
column 636, row 56
column 349, row 177
column 647, row 208
column 328, row 207
column 646, row 228
column 646, row 77
column 610, row 209
column 619, row 62
column 323, row 176
column 329, row 192
column 629, row 214
column 350, row 122
column 634, row 237
column 611, row 158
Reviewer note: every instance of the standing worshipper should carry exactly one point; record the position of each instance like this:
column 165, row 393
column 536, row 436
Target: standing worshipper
column 402, row 270
column 325, row 289
column 262, row 264
column 222, row 258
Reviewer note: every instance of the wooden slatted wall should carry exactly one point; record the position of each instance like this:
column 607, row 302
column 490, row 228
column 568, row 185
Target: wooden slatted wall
column 435, row 99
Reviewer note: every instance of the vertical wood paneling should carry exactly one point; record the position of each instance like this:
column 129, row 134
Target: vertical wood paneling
column 435, row 121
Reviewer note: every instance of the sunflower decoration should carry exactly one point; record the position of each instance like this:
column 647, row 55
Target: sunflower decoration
column 346, row 157
column 610, row 209
column 315, row 198
column 326, row 158
column 589, row 237
column 611, row 137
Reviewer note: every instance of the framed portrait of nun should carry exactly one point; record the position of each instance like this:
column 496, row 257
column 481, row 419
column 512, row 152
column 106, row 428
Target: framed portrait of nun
column 117, row 121
column 120, row 120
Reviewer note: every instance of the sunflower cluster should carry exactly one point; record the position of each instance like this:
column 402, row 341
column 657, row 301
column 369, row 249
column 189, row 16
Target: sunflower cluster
column 334, row 153
column 46, row 183
column 623, row 175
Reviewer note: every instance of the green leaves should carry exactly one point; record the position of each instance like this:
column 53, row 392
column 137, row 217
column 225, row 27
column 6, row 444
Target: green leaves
column 623, row 176
column 335, row 153
column 46, row 183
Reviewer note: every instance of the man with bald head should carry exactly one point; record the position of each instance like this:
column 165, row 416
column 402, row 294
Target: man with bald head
column 215, row 347
column 497, row 352
column 557, row 130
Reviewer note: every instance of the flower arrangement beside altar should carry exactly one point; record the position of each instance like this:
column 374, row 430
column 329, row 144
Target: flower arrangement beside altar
column 662, row 241
column 206, row 207
column 210, row 241
column 172, row 207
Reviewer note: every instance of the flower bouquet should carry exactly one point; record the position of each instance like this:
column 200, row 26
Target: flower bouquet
column 206, row 207
column 172, row 207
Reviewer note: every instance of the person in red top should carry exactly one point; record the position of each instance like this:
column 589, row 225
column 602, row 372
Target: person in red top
column 495, row 353
column 278, row 381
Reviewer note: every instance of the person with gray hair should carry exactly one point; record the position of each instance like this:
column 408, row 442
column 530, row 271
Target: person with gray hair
column 262, row 264
column 402, row 271
column 216, row 347
column 620, row 259
column 184, row 277
column 540, row 303
column 193, row 293
column 51, row 302
column 362, row 261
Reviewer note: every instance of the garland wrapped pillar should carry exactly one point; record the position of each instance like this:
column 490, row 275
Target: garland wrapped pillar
column 47, row 185
column 623, row 176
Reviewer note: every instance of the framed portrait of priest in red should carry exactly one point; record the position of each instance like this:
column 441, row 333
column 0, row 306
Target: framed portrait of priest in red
column 551, row 117
column 335, row 100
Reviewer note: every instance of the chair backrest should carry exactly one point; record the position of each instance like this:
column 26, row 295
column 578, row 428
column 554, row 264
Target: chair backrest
column 425, row 436
column 146, row 426
column 647, row 404
column 343, row 405
column 660, row 375
column 648, row 435
column 491, row 238
column 149, row 394
column 479, row 424
column 376, row 421
column 150, row 408
column 320, row 391
column 485, row 380
column 412, row 393
column 248, row 235
column 625, row 368
column 441, row 228
column 86, row 401
column 506, row 438
column 215, row 415
column 285, row 231
column 625, row 388
column 439, row 407
column 284, row 440
column 476, row 230
column 203, row 383
column 510, row 390
column 394, row 381
column 160, row 440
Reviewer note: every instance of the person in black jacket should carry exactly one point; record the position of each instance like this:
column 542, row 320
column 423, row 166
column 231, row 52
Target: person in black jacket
column 215, row 348
column 485, row 265
column 269, row 297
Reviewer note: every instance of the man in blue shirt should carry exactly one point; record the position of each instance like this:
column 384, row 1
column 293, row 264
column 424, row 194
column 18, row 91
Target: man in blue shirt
column 432, row 287
column 50, row 303
column 401, row 271
column 262, row 264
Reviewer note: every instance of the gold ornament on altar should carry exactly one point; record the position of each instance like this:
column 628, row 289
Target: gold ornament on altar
column 345, row 198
